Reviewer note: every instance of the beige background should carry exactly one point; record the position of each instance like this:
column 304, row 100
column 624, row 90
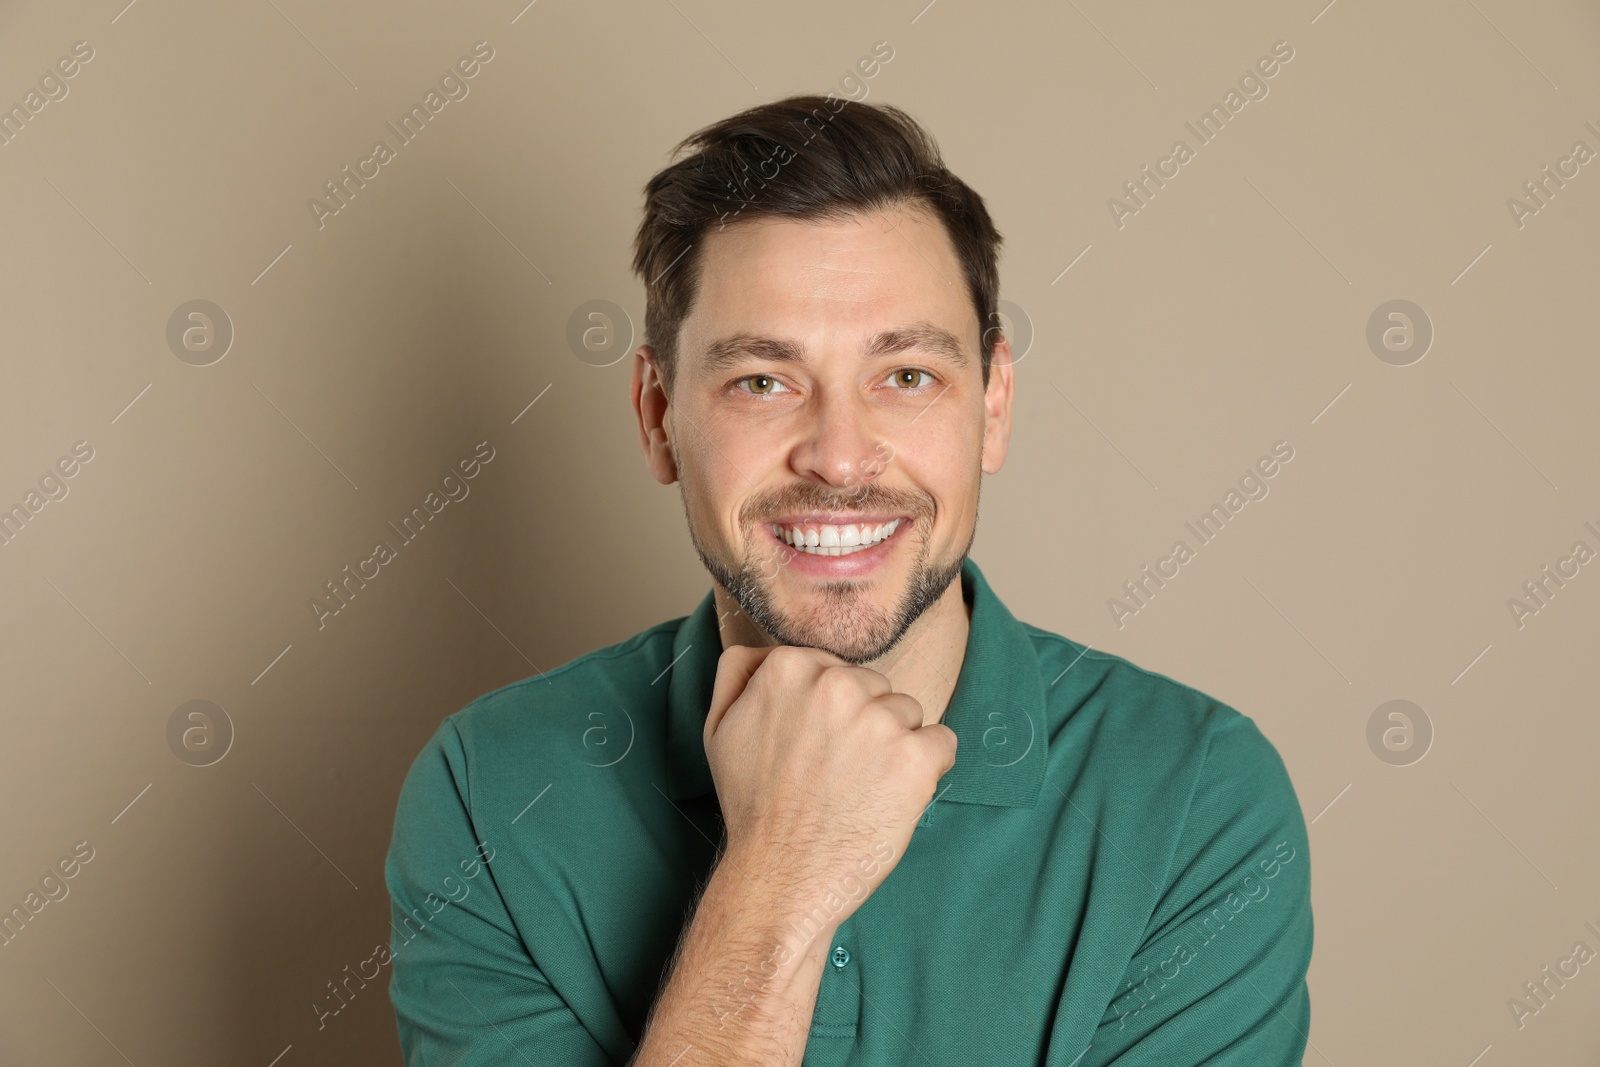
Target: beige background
column 373, row 354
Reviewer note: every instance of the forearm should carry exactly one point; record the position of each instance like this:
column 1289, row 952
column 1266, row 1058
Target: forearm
column 743, row 986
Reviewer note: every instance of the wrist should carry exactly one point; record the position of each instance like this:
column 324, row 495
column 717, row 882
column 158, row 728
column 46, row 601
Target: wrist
column 764, row 897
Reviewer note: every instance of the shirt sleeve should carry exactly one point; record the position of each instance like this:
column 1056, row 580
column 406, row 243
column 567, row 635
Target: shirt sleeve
column 1220, row 979
column 466, row 991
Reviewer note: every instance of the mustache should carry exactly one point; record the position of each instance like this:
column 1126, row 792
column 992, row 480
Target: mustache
column 809, row 496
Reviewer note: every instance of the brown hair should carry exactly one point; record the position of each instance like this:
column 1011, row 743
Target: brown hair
column 802, row 158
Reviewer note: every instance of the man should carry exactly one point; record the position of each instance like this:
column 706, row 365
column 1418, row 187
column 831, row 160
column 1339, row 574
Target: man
column 849, row 809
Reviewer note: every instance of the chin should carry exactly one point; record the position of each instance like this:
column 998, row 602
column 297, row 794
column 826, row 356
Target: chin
column 859, row 621
column 856, row 633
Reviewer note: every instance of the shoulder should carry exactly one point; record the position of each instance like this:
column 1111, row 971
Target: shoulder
column 1135, row 723
column 1126, row 698
column 588, row 680
column 538, row 724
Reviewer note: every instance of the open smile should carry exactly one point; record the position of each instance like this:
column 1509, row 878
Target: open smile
column 828, row 548
column 831, row 539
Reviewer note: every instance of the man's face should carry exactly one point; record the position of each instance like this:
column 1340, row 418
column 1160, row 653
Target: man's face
column 829, row 423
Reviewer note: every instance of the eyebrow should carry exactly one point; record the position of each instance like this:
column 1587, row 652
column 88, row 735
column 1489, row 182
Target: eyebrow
column 730, row 351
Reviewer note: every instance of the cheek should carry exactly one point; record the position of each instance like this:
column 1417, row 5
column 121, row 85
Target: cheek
column 941, row 459
column 715, row 488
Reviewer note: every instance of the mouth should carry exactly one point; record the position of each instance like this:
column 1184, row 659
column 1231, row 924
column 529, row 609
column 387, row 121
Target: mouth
column 833, row 538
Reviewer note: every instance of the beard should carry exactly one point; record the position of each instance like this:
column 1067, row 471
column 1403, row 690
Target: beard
column 846, row 622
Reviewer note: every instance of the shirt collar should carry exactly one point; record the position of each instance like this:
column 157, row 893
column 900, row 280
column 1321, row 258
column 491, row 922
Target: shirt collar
column 996, row 711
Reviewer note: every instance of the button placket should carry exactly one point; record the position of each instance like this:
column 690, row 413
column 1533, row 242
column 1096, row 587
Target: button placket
column 838, row 1008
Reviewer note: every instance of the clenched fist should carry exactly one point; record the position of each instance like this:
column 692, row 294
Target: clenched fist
column 817, row 763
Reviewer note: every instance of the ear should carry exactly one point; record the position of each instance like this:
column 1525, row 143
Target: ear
column 654, row 413
column 997, row 408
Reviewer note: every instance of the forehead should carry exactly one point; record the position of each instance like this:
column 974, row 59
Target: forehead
column 809, row 278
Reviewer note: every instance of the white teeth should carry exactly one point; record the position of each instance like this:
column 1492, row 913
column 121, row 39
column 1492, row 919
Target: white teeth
column 829, row 540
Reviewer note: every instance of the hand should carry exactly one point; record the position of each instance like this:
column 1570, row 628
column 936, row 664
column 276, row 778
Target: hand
column 822, row 770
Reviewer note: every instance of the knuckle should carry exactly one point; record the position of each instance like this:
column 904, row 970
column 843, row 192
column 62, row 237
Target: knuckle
column 883, row 719
column 838, row 682
column 786, row 654
column 734, row 655
column 787, row 660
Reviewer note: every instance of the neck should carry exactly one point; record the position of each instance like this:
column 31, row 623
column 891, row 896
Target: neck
column 924, row 664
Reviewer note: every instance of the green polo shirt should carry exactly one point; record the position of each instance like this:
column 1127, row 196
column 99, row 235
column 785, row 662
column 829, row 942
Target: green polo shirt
column 1115, row 870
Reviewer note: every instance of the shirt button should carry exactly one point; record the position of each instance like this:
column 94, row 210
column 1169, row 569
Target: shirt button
column 841, row 956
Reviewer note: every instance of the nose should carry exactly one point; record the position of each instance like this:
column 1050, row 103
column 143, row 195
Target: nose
column 839, row 444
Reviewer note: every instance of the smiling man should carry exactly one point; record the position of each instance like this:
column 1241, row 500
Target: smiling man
column 849, row 810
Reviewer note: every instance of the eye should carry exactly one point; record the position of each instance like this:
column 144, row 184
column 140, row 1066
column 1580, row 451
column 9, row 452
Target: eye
column 908, row 378
column 761, row 385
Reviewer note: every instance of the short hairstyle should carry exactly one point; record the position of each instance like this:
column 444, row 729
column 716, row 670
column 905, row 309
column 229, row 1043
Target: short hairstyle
column 802, row 157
